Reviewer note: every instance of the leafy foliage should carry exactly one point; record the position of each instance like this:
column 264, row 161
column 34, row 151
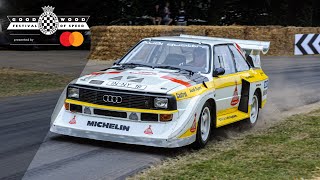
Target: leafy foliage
column 215, row 12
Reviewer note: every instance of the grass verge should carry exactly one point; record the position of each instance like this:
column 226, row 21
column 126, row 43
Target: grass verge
column 289, row 150
column 14, row 82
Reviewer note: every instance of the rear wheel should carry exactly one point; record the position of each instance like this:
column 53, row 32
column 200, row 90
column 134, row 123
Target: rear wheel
column 204, row 127
column 254, row 112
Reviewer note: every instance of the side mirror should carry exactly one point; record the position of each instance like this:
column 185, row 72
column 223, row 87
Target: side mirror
column 218, row 71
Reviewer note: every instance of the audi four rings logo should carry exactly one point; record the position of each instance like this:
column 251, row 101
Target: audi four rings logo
column 112, row 99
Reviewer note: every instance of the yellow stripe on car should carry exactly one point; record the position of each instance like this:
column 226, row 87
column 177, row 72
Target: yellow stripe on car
column 252, row 75
column 188, row 133
column 263, row 103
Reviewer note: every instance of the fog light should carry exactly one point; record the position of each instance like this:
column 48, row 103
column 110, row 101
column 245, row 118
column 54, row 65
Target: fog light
column 166, row 117
column 67, row 106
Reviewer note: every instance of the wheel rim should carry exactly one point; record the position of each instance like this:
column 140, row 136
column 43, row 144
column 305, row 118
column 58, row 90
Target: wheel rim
column 254, row 110
column 205, row 123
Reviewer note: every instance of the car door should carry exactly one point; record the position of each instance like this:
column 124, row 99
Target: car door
column 227, row 86
column 243, row 75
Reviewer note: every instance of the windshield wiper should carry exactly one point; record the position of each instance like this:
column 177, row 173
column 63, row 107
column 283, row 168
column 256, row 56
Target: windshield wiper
column 176, row 68
column 132, row 65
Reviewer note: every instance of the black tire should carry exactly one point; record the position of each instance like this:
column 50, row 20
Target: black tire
column 200, row 142
column 250, row 123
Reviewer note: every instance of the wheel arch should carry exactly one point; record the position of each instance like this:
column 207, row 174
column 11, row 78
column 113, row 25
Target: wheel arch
column 213, row 107
column 259, row 92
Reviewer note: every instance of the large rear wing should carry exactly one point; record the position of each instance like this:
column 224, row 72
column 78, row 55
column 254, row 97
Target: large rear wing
column 251, row 47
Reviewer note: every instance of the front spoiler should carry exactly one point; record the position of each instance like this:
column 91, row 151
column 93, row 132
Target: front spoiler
column 168, row 143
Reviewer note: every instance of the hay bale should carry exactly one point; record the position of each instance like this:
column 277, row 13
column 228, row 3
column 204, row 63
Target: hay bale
column 112, row 42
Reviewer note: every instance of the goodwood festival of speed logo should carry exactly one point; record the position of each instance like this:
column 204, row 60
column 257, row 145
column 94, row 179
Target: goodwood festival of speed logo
column 48, row 22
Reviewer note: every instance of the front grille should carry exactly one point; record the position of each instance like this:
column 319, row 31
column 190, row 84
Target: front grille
column 130, row 99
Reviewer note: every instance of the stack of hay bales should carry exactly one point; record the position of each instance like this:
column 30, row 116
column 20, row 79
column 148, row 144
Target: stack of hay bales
column 112, row 42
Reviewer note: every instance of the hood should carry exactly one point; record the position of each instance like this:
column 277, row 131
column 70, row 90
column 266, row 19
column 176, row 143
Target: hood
column 137, row 79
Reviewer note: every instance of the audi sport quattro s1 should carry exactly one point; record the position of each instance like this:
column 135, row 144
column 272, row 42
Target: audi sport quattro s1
column 167, row 92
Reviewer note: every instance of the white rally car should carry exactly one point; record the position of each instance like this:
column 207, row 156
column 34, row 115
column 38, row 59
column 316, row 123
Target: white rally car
column 167, row 92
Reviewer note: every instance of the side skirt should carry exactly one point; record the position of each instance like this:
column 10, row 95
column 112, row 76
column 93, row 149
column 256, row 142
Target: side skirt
column 223, row 120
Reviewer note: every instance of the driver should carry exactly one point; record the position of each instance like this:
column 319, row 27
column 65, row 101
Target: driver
column 199, row 57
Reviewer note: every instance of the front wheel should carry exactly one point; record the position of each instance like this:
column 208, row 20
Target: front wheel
column 203, row 127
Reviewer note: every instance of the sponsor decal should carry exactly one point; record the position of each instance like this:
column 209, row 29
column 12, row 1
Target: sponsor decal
column 177, row 81
column 108, row 125
column 235, row 99
column 181, row 95
column 73, row 120
column 266, row 83
column 148, row 130
column 126, row 84
column 143, row 73
column 249, row 77
column 194, row 124
column 194, row 89
column 228, row 117
column 153, row 42
column 186, row 45
column 74, row 39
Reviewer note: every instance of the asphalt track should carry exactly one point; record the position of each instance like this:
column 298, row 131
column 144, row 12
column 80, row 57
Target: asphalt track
column 24, row 122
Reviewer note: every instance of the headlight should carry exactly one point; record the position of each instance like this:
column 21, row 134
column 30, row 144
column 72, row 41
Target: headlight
column 73, row 92
column 161, row 103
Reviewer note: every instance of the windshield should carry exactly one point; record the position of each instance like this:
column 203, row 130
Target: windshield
column 184, row 55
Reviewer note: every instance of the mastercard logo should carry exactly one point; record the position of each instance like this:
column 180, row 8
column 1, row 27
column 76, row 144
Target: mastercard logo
column 71, row 39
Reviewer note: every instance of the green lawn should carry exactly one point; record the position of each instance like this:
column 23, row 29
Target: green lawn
column 14, row 82
column 289, row 150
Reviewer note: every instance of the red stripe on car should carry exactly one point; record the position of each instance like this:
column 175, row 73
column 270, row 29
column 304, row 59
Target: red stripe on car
column 113, row 72
column 177, row 80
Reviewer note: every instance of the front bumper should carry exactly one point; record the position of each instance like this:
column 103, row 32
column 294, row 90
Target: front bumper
column 168, row 143
column 119, row 130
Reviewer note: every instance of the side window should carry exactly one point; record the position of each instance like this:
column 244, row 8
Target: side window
column 240, row 62
column 223, row 59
